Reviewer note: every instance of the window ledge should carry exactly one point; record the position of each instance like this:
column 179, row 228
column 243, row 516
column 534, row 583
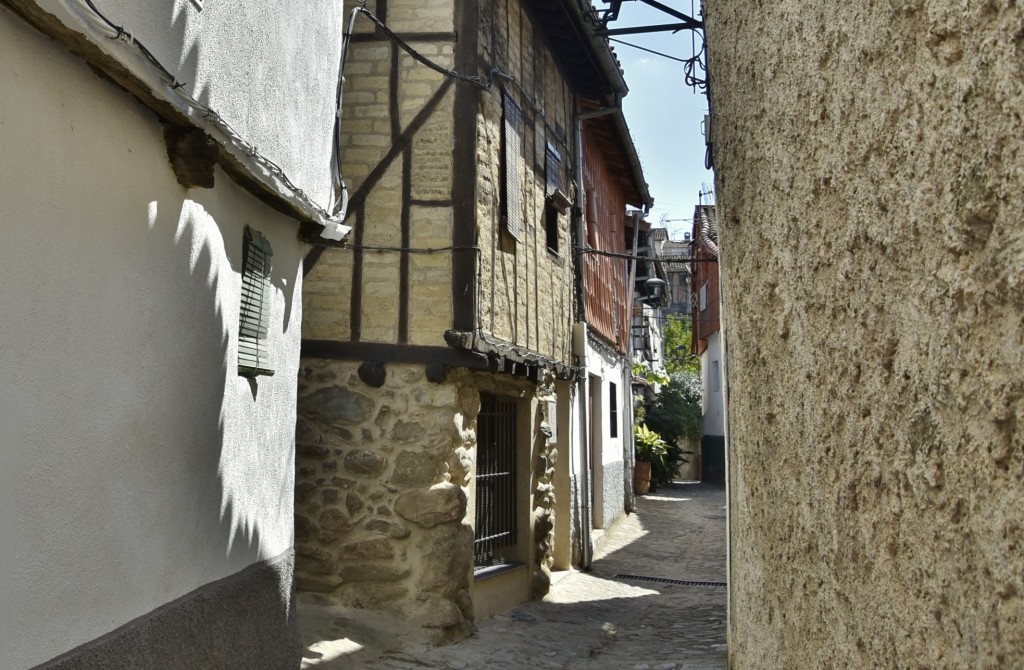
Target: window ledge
column 480, row 574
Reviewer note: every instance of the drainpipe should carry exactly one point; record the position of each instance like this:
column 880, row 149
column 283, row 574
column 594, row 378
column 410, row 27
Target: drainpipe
column 628, row 447
column 586, row 548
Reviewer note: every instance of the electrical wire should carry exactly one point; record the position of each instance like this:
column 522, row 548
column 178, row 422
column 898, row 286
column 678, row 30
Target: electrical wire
column 659, row 259
column 691, row 65
column 483, row 83
column 120, row 33
column 410, row 250
column 650, row 51
column 475, row 80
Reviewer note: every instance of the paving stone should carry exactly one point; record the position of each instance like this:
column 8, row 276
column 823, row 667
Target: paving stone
column 595, row 619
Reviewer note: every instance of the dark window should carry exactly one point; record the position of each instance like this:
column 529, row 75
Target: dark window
column 512, row 140
column 553, row 186
column 551, row 226
column 254, row 313
column 495, row 480
column 613, row 410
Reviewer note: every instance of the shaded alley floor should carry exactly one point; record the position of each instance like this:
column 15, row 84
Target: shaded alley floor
column 596, row 619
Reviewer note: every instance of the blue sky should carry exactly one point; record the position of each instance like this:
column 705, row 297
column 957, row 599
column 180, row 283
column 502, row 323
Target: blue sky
column 663, row 114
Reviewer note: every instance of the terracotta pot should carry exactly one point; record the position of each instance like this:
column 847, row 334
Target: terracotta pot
column 641, row 477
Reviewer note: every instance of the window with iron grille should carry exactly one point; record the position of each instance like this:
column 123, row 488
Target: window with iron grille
column 495, row 480
column 254, row 312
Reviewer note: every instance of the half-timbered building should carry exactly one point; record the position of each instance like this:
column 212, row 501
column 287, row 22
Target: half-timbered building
column 439, row 470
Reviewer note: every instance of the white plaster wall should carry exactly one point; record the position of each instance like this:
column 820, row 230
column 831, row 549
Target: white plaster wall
column 608, row 471
column 138, row 465
column 270, row 69
column 713, row 422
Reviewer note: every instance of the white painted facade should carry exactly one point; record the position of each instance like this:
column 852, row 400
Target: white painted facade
column 712, row 369
column 609, row 389
column 138, row 466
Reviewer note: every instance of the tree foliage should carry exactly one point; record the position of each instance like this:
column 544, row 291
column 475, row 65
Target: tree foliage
column 674, row 415
column 678, row 333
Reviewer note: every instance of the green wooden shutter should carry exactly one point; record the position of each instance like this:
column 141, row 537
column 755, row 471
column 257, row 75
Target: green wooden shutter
column 254, row 314
column 513, row 157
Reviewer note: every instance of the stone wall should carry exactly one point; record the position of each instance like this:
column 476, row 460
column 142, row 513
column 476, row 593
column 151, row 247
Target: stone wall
column 384, row 494
column 525, row 289
column 870, row 192
column 397, row 135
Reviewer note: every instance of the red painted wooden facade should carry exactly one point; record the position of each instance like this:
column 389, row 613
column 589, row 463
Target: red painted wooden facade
column 605, row 278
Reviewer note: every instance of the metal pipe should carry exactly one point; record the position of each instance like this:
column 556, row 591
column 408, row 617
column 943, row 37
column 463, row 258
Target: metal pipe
column 586, row 550
column 586, row 547
column 628, row 446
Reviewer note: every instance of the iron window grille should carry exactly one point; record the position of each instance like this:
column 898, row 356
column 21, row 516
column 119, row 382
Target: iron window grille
column 495, row 480
column 254, row 316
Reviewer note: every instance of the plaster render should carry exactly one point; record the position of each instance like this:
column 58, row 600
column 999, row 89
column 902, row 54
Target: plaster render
column 869, row 185
column 713, row 417
column 604, row 368
column 271, row 76
column 146, row 467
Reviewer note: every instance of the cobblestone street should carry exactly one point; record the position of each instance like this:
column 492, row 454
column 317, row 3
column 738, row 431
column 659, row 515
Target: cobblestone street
column 598, row 619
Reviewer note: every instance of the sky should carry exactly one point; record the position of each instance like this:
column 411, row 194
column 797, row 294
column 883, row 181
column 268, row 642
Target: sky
column 663, row 114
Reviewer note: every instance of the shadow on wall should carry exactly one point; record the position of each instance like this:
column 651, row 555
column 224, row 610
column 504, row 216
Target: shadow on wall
column 143, row 467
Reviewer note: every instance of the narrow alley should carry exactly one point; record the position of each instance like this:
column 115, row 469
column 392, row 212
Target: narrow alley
column 674, row 618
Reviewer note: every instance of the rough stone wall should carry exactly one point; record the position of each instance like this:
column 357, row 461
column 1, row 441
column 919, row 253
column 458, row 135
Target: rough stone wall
column 525, row 289
column 384, row 493
column 543, row 513
column 380, row 503
column 869, row 186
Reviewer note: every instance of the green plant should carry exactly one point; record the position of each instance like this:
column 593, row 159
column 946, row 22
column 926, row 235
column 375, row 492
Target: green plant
column 652, row 376
column 677, row 411
column 649, row 445
column 675, row 415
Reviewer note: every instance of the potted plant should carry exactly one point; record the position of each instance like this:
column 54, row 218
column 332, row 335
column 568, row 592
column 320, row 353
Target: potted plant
column 676, row 416
column 650, row 449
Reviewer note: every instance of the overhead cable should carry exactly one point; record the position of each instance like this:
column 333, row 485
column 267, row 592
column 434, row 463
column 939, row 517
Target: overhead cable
column 331, row 220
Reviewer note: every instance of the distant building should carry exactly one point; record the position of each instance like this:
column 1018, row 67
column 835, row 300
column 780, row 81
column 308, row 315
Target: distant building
column 675, row 255
column 707, row 341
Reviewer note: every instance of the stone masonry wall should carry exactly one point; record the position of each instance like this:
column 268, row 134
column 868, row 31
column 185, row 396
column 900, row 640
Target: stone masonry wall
column 384, row 492
column 525, row 289
column 870, row 195
column 397, row 135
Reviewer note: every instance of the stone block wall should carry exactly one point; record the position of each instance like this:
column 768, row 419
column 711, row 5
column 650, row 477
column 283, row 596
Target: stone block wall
column 398, row 132
column 397, row 137
column 384, row 492
column 870, row 192
column 525, row 289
